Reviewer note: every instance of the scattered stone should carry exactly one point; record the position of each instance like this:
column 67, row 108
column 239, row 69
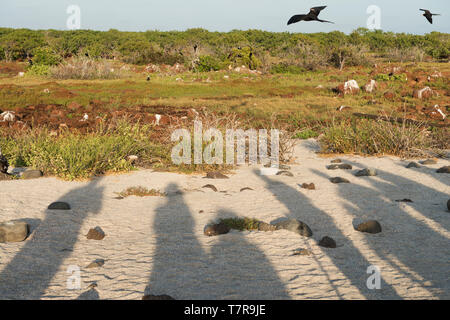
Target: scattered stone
column 413, row 165
column 428, row 161
column 339, row 180
column 8, row 116
column 309, row 186
column 285, row 173
column 59, row 206
column 336, row 161
column 96, row 264
column 132, row 159
column 262, row 226
column 91, row 294
column 160, row 297
column 216, row 229
column 201, row 211
column 210, row 186
column 327, row 242
column 343, row 166
column 96, row 234
column 445, row 169
column 371, row 226
column 369, row 172
column 215, row 175
column 32, row 174
column 246, row 188
column 349, row 87
column 302, row 252
column 404, row 200
column 296, row 226
column 14, row 231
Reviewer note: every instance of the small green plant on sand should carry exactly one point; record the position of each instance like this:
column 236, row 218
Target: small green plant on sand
column 140, row 192
column 241, row 224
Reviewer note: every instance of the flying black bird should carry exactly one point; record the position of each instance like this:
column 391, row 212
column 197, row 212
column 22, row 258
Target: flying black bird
column 429, row 15
column 313, row 15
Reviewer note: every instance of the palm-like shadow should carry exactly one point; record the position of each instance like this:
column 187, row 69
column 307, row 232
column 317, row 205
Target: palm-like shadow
column 233, row 269
column 300, row 207
column 31, row 270
column 421, row 252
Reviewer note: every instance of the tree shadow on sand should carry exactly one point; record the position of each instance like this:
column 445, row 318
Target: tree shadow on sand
column 421, row 252
column 300, row 207
column 233, row 269
column 31, row 270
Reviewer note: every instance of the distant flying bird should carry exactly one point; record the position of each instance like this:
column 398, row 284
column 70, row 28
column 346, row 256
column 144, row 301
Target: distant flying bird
column 429, row 15
column 313, row 15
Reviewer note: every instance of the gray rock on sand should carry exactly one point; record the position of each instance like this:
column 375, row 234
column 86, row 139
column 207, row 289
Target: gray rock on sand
column 428, row 161
column 445, row 169
column 96, row 264
column 216, row 229
column 96, row 234
column 339, row 180
column 371, row 226
column 369, row 172
column 327, row 242
column 13, row 231
column 285, row 173
column 210, row 186
column 343, row 166
column 32, row 174
column 266, row 227
column 296, row 226
column 215, row 175
column 413, row 165
column 309, row 186
column 59, row 206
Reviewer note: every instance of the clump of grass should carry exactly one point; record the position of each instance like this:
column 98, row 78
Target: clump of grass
column 363, row 136
column 140, row 192
column 241, row 224
column 306, row 134
column 85, row 69
column 73, row 155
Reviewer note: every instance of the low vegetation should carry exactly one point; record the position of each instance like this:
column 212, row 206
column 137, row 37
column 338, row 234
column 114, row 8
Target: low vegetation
column 140, row 192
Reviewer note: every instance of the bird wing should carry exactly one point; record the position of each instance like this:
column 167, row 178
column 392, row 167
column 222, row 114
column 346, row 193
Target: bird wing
column 429, row 18
column 425, row 10
column 316, row 10
column 296, row 18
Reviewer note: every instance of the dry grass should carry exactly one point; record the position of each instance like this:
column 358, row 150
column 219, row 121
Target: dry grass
column 140, row 192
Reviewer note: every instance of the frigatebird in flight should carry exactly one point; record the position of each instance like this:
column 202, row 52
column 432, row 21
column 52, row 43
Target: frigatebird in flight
column 313, row 15
column 429, row 15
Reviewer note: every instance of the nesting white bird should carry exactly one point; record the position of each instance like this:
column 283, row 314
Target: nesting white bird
column 85, row 117
column 436, row 107
column 9, row 116
column 157, row 119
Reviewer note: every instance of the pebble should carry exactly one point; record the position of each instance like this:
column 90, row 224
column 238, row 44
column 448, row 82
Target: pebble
column 369, row 172
column 327, row 242
column 285, row 173
column 371, row 226
column 445, row 169
column 96, row 234
column 413, row 165
column 96, row 264
column 343, row 166
column 13, row 231
column 216, row 229
column 309, row 186
column 296, row 226
column 428, row 161
column 339, row 180
column 59, row 206
column 210, row 186
column 246, row 188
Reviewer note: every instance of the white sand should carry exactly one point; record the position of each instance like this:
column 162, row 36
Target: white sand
column 156, row 245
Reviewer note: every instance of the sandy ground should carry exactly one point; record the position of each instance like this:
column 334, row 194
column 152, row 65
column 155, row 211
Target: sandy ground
column 156, row 245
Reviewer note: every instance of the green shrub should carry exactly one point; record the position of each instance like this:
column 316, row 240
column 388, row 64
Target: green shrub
column 207, row 63
column 39, row 70
column 45, row 56
column 287, row 68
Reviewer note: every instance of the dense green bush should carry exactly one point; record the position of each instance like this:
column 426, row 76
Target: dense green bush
column 45, row 56
column 39, row 70
column 207, row 63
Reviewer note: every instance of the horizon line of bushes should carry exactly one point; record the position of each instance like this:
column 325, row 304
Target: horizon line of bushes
column 202, row 50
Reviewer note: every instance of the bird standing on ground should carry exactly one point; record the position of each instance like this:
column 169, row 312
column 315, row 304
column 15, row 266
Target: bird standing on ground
column 3, row 163
column 429, row 15
column 313, row 15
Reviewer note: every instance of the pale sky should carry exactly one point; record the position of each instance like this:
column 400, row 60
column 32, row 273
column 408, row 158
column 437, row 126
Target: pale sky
column 224, row 15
